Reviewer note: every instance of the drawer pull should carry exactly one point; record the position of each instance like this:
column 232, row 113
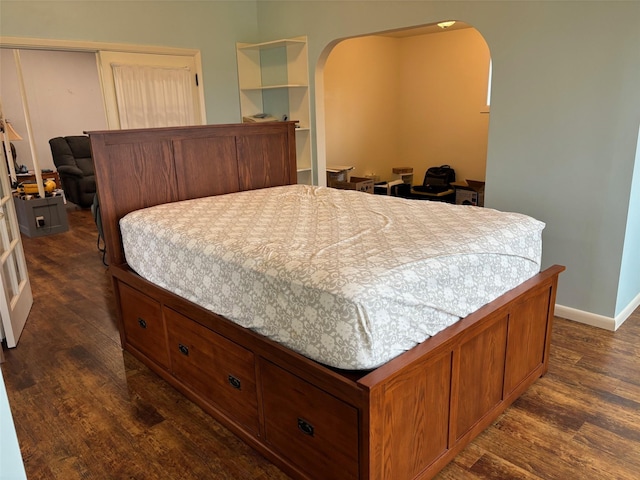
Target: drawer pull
column 234, row 382
column 142, row 322
column 183, row 349
column 305, row 427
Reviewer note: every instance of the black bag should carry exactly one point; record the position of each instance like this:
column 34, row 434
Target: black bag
column 438, row 179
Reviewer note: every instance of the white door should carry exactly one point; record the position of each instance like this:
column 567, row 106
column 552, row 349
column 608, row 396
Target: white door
column 16, row 297
column 114, row 102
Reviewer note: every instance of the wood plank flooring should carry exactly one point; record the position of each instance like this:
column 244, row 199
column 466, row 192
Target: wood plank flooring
column 83, row 409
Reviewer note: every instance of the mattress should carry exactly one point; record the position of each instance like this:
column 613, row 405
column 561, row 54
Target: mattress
column 346, row 278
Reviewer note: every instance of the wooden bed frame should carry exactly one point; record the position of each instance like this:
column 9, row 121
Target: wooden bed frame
column 406, row 419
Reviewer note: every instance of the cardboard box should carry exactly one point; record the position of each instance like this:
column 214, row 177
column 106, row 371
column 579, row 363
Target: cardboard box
column 337, row 174
column 355, row 183
column 469, row 193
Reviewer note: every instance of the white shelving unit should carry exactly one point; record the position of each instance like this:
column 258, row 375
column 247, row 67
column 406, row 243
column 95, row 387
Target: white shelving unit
column 274, row 79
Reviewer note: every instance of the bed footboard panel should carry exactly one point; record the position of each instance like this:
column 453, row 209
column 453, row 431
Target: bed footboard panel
column 404, row 420
column 427, row 405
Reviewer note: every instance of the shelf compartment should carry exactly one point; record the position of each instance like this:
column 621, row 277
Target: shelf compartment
column 274, row 87
column 274, row 79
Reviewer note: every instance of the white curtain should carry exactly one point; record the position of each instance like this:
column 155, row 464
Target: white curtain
column 153, row 96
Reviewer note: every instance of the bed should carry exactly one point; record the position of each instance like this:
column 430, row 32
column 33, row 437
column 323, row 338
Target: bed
column 316, row 412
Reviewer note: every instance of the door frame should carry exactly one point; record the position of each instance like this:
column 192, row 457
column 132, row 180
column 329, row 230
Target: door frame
column 15, row 286
column 107, row 58
column 24, row 43
column 20, row 43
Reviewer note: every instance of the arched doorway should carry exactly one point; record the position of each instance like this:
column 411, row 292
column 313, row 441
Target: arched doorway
column 415, row 97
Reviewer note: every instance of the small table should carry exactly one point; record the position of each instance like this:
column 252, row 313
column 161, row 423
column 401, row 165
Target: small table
column 31, row 177
column 386, row 188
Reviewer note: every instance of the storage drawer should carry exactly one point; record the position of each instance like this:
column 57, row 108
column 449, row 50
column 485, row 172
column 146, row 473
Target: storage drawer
column 312, row 428
column 143, row 324
column 221, row 371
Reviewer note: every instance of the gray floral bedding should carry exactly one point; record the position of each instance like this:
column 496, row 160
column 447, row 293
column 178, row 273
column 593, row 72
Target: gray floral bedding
column 346, row 278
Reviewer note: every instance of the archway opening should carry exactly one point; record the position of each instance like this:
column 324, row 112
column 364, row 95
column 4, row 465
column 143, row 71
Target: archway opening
column 415, row 97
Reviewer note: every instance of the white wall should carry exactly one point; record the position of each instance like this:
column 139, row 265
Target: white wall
column 443, row 91
column 63, row 94
column 12, row 104
column 362, row 106
column 629, row 287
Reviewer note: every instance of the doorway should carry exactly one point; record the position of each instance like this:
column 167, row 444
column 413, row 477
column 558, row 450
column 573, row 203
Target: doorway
column 66, row 94
column 410, row 98
column 63, row 89
column 144, row 90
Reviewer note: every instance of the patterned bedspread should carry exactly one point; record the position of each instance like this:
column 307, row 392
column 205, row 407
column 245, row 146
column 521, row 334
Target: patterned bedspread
column 346, row 278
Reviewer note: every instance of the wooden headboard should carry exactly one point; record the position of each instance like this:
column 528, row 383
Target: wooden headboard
column 141, row 168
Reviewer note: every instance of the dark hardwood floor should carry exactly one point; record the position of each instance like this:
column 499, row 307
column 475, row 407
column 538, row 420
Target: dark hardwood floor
column 83, row 409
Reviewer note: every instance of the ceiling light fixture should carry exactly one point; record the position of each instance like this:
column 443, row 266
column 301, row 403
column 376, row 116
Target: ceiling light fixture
column 446, row 24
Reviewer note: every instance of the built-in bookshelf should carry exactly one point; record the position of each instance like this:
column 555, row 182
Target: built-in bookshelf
column 274, row 79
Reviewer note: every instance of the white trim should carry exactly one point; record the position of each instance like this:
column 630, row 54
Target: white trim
column 489, row 83
column 27, row 122
column 84, row 46
column 587, row 318
column 627, row 311
column 595, row 320
column 95, row 47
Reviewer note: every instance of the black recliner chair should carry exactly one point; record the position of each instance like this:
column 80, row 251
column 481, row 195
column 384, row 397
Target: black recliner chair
column 72, row 158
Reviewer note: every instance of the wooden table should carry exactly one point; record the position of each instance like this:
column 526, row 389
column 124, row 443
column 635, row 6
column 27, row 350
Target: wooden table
column 31, row 177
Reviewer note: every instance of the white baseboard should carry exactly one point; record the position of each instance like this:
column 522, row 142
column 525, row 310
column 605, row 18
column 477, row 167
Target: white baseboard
column 628, row 310
column 595, row 320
